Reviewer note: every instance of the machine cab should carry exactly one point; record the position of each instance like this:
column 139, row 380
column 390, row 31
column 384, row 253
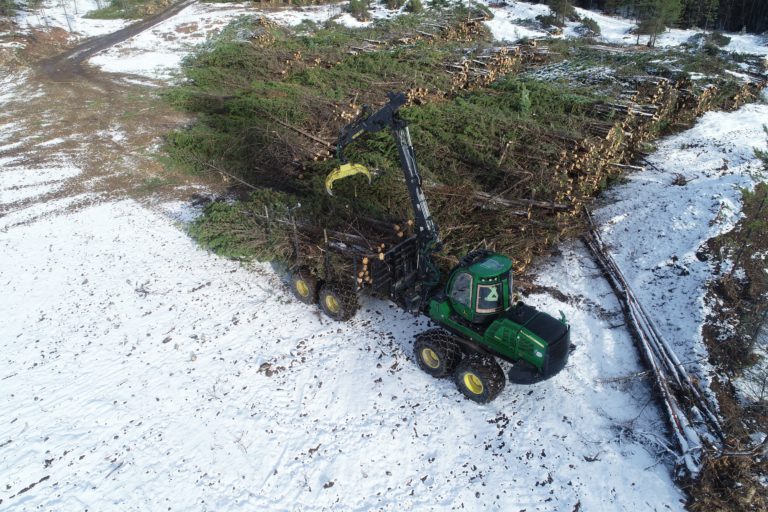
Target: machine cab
column 479, row 289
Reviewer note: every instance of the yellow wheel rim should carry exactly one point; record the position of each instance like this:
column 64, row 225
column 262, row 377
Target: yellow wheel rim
column 430, row 358
column 473, row 383
column 302, row 287
column 332, row 304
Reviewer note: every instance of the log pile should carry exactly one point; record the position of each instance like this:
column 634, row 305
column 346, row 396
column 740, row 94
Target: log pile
column 613, row 139
column 261, row 33
column 484, row 68
column 539, row 174
column 574, row 167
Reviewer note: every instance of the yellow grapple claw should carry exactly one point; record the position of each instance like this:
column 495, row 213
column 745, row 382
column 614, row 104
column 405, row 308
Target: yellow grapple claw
column 345, row 171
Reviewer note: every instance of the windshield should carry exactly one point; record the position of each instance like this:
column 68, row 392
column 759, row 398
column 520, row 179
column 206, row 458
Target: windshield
column 489, row 298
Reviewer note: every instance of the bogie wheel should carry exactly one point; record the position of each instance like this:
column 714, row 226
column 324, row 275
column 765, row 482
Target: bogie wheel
column 338, row 302
column 304, row 286
column 436, row 352
column 480, row 378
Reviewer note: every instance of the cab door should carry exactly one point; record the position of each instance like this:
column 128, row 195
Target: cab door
column 460, row 294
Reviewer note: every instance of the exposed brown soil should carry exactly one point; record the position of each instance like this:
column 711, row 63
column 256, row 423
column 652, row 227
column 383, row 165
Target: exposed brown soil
column 99, row 122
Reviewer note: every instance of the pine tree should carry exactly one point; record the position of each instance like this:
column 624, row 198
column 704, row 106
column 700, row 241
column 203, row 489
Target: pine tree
column 562, row 9
column 7, row 8
column 710, row 13
column 654, row 16
column 763, row 155
column 700, row 13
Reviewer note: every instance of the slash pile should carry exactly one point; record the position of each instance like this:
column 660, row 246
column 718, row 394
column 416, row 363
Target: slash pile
column 508, row 161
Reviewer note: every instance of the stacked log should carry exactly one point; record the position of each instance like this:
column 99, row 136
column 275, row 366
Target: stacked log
column 570, row 167
column 611, row 141
column 465, row 31
column 481, row 70
column 262, row 32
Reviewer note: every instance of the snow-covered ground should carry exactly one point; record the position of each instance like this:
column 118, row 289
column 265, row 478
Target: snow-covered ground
column 140, row 372
column 657, row 229
column 513, row 21
column 69, row 15
column 157, row 53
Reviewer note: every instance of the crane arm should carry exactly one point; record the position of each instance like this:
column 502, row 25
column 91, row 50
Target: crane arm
column 370, row 122
column 387, row 117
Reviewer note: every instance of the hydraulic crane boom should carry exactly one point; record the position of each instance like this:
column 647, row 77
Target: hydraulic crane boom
column 388, row 117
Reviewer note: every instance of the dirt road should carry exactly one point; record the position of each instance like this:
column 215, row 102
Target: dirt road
column 70, row 63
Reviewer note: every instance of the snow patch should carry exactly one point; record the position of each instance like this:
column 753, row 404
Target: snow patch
column 26, row 177
column 138, row 363
column 157, row 53
column 656, row 244
column 20, row 217
column 9, row 89
column 517, row 20
column 52, row 142
column 68, row 15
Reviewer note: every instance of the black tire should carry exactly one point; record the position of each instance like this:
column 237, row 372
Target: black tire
column 436, row 352
column 304, row 286
column 338, row 302
column 480, row 378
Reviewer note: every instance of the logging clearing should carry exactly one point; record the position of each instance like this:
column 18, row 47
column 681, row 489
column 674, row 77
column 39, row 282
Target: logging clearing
column 509, row 157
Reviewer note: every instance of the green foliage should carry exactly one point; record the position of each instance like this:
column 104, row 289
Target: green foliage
column 479, row 10
column 710, row 49
column 359, row 9
column 238, row 89
column 415, row 6
column 126, row 9
column 249, row 97
column 699, row 13
column 550, row 20
column 7, row 8
column 590, row 27
column 241, row 229
column 719, row 39
column 708, row 60
column 563, row 10
column 654, row 16
column 228, row 228
column 763, row 155
column 393, row 4
column 524, row 103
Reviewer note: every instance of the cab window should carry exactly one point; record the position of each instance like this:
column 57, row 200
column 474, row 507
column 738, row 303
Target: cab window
column 461, row 291
column 489, row 298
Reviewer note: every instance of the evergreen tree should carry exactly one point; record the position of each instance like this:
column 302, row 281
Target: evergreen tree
column 699, row 13
column 763, row 155
column 654, row 16
column 562, row 9
column 7, row 8
column 710, row 13
column 726, row 15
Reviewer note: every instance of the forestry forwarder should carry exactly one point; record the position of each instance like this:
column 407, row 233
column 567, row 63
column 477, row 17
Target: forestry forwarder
column 474, row 309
